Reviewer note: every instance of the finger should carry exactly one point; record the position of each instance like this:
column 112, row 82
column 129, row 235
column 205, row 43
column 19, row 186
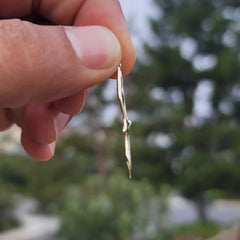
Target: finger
column 5, row 123
column 45, row 64
column 83, row 13
column 42, row 152
column 108, row 13
column 73, row 104
column 43, row 123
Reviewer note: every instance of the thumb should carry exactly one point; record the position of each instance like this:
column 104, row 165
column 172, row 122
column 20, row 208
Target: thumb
column 48, row 63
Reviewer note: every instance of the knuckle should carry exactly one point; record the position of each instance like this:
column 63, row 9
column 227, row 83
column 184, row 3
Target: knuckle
column 10, row 29
column 15, row 45
column 14, row 57
column 14, row 37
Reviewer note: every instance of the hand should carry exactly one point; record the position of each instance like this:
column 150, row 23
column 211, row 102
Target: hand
column 46, row 70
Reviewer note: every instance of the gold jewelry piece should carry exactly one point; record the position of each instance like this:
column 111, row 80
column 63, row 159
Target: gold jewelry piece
column 126, row 122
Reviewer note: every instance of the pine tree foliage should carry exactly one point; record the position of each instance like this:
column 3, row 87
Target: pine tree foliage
column 187, row 99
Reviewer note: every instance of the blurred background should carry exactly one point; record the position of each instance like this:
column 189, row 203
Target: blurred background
column 183, row 97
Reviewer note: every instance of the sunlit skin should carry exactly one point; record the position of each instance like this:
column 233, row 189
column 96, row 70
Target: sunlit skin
column 43, row 82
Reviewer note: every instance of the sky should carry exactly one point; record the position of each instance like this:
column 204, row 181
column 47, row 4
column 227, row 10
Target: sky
column 137, row 13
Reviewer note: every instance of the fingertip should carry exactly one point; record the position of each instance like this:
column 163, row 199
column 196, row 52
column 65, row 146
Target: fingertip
column 96, row 46
column 44, row 123
column 110, row 16
column 39, row 124
column 41, row 152
column 128, row 55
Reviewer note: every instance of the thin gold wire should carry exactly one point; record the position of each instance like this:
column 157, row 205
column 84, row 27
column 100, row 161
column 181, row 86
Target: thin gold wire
column 126, row 122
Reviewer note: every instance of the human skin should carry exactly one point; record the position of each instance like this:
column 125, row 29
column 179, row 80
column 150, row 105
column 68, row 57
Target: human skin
column 46, row 71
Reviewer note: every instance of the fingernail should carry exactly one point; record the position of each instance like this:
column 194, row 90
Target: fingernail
column 85, row 97
column 52, row 147
column 96, row 46
column 59, row 120
column 87, row 93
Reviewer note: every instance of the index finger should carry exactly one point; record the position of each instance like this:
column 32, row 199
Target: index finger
column 106, row 13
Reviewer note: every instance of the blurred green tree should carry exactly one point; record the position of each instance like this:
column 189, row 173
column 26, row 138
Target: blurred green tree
column 114, row 209
column 185, row 96
column 7, row 218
